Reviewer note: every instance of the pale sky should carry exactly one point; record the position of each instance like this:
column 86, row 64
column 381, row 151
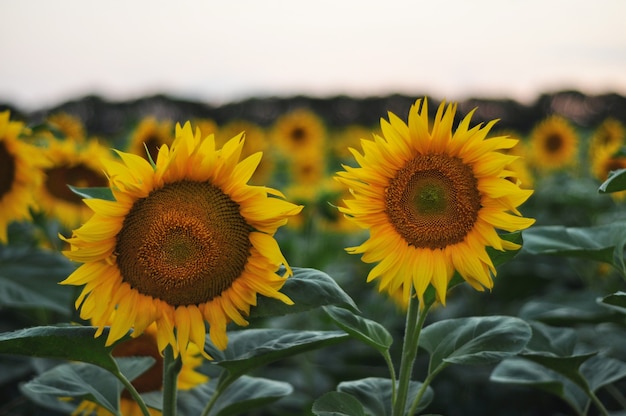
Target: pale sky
column 53, row 51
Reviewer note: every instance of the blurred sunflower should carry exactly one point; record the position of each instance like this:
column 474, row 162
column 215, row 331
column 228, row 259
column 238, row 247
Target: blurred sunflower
column 145, row 345
column 150, row 134
column 67, row 125
column 184, row 242
column 206, row 125
column 347, row 138
column 21, row 172
column 256, row 141
column 432, row 200
column 554, row 144
column 603, row 162
column 76, row 164
column 609, row 135
column 299, row 132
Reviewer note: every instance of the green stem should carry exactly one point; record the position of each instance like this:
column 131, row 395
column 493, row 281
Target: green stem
column 616, row 394
column 598, row 403
column 224, row 381
column 414, row 323
column 423, row 388
column 392, row 372
column 133, row 392
column 171, row 368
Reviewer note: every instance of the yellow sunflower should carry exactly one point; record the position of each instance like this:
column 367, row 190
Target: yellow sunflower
column 256, row 141
column 67, row 124
column 554, row 144
column 432, row 199
column 145, row 345
column 603, row 162
column 71, row 163
column 21, row 173
column 609, row 135
column 298, row 131
column 150, row 134
column 184, row 242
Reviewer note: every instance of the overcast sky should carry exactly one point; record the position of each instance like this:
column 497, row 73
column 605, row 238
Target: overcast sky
column 52, row 51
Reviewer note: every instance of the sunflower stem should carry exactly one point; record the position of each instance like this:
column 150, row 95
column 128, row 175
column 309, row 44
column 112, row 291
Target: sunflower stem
column 225, row 380
column 133, row 393
column 414, row 322
column 171, row 368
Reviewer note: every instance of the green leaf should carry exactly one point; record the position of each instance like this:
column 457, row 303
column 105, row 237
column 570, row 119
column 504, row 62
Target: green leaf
column 375, row 394
column 615, row 301
column 566, row 309
column 522, row 372
column 308, row 289
column 600, row 371
column 335, row 403
column 253, row 348
column 474, row 340
column 29, row 278
column 566, row 366
column 76, row 343
column 248, row 393
column 83, row 381
column 552, row 340
column 603, row 243
column 616, row 182
column 103, row 192
column 370, row 332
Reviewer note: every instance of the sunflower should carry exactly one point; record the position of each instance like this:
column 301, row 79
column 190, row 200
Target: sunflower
column 76, row 164
column 67, row 124
column 145, row 345
column 256, row 141
column 432, row 199
column 298, row 131
column 150, row 134
column 185, row 241
column 603, row 162
column 21, row 173
column 554, row 144
column 609, row 135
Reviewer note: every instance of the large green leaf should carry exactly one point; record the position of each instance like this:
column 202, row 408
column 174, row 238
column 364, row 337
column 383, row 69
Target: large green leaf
column 93, row 193
column 76, row 343
column 363, row 329
column 308, row 289
column 83, row 381
column 551, row 340
column 566, row 309
column 603, row 243
column 29, row 278
column 600, row 371
column 336, row 403
column 616, row 182
column 519, row 371
column 375, row 394
column 474, row 340
column 252, row 348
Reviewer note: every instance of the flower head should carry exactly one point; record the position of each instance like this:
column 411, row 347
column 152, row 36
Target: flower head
column 20, row 174
column 185, row 241
column 554, row 144
column 432, row 199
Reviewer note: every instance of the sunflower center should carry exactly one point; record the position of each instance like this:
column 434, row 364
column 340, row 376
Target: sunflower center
column 144, row 345
column 554, row 143
column 433, row 201
column 184, row 243
column 7, row 170
column 79, row 176
column 298, row 134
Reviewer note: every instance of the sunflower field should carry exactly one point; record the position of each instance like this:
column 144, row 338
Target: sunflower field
column 386, row 256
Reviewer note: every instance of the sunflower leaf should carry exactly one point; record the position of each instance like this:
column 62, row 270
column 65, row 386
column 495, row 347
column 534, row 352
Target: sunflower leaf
column 252, row 348
column 519, row 371
column 95, row 192
column 615, row 301
column 248, row 393
column 308, row 289
column 29, row 279
column 370, row 332
column 615, row 182
column 336, row 403
column 603, row 243
column 75, row 343
column 474, row 340
column 83, row 381
column 375, row 394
